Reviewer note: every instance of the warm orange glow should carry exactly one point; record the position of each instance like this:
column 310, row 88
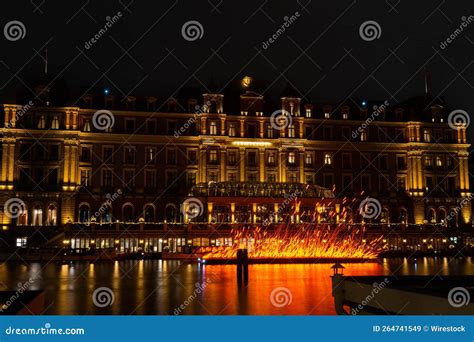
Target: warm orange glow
column 299, row 241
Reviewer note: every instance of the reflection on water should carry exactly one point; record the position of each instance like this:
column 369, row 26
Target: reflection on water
column 160, row 287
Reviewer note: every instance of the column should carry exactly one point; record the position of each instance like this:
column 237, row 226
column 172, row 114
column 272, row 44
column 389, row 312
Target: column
column 302, row 157
column 282, row 166
column 242, row 128
column 242, row 164
column 223, row 175
column 261, row 164
column 254, row 212
column 202, row 165
column 232, row 212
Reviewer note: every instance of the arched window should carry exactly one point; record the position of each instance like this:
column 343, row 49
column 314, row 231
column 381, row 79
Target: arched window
column 52, row 215
column 385, row 216
column 171, row 213
column 37, row 219
column 431, row 216
column 84, row 212
column 149, row 213
column 105, row 214
column 442, row 215
column 127, row 212
column 22, row 220
column 403, row 216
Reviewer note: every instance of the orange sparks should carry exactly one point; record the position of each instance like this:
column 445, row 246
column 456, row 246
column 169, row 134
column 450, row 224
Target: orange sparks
column 299, row 241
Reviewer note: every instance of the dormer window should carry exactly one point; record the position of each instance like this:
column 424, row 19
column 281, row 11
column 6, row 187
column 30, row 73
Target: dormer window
column 327, row 159
column 42, row 122
column 345, row 116
column 426, row 135
column 291, row 158
column 213, row 128
column 87, row 126
column 291, row 131
column 292, row 108
column 308, row 112
column 55, row 122
column 231, row 129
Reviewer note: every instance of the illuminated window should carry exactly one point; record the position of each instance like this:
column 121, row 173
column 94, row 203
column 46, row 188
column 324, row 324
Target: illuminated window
column 150, row 154
column 231, row 129
column 291, row 131
column 213, row 128
column 244, row 113
column 85, row 177
column 42, row 122
column 212, row 156
column 308, row 112
column 291, row 158
column 55, row 123
column 87, row 126
column 427, row 135
column 309, row 159
column 363, row 135
column 327, row 115
column 327, row 159
column 271, row 158
column 269, row 131
column 345, row 116
column 439, row 162
column 428, row 161
column 21, row 242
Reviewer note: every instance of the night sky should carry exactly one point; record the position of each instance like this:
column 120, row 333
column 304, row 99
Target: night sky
column 321, row 54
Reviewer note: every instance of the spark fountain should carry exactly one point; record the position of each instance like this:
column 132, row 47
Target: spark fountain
column 299, row 243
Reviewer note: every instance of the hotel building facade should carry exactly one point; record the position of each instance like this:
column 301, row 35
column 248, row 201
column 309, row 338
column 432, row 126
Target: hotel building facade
column 140, row 174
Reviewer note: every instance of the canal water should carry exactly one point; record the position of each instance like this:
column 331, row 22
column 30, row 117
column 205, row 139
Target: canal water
column 156, row 287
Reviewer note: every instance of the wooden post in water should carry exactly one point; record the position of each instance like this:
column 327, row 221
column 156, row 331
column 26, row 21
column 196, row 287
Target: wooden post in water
column 242, row 267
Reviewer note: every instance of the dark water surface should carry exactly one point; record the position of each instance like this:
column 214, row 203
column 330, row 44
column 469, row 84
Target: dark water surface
column 153, row 287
